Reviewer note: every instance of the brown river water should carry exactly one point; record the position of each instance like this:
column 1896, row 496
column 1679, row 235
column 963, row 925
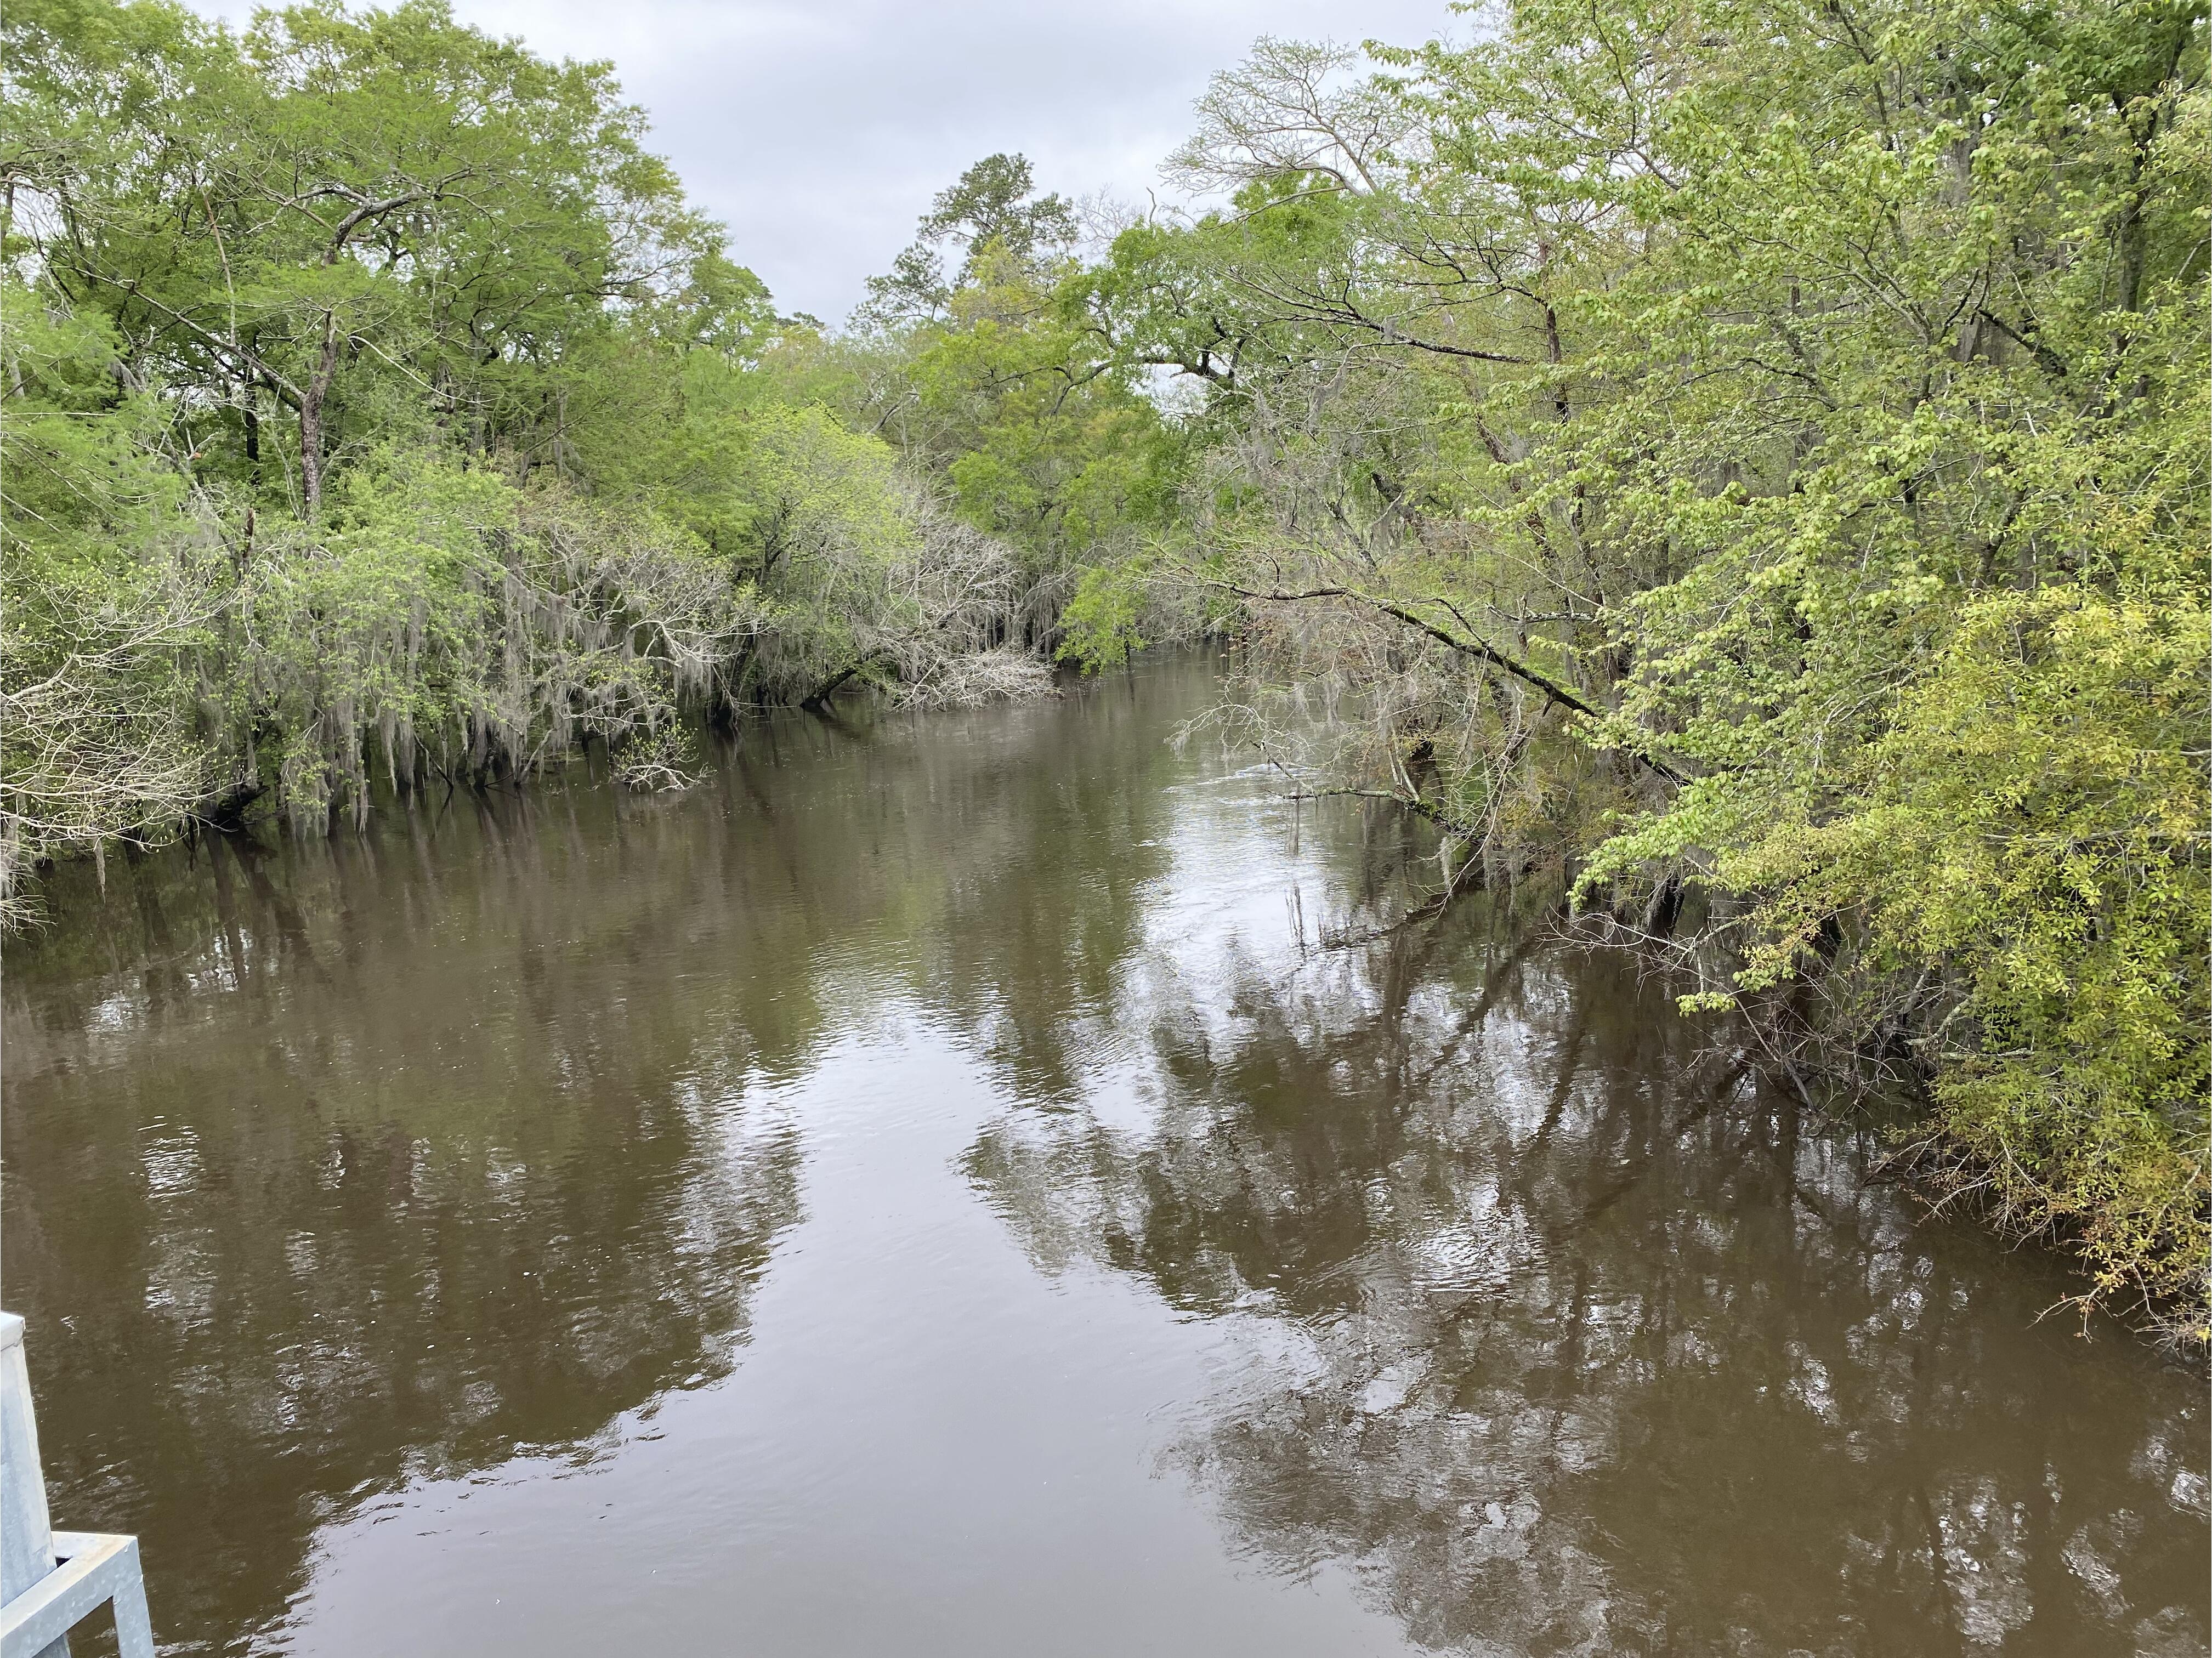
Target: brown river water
column 962, row 1185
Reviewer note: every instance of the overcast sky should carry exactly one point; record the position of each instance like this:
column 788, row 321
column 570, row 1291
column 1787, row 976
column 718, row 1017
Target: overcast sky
column 818, row 131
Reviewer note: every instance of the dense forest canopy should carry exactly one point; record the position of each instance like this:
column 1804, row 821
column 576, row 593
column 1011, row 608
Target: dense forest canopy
column 1744, row 457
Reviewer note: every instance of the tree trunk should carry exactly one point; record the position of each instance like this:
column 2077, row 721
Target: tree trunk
column 311, row 416
column 819, row 699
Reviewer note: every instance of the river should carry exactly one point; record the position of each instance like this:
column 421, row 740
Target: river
column 985, row 1184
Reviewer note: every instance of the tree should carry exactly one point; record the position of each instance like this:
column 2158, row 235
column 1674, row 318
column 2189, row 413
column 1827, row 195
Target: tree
column 1752, row 449
column 341, row 220
column 993, row 206
column 379, row 410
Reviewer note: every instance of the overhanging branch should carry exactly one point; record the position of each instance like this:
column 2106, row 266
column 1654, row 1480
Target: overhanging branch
column 1480, row 649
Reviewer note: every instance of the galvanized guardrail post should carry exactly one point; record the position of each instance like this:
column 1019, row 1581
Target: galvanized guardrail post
column 50, row 1580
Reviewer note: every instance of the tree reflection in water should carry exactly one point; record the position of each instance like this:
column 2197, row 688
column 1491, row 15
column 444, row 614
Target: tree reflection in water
column 334, row 1168
column 356, row 1227
column 1577, row 1340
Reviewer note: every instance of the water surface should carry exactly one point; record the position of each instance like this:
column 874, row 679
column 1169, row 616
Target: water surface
column 968, row 1185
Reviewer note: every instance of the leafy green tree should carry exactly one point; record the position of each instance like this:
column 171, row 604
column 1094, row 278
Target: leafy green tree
column 1004, row 391
column 992, row 208
column 378, row 411
column 95, row 738
column 1755, row 450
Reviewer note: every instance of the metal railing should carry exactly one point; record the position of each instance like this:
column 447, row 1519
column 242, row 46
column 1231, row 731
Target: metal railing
column 51, row 1580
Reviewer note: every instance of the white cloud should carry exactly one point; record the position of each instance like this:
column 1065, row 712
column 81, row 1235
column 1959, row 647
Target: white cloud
column 818, row 132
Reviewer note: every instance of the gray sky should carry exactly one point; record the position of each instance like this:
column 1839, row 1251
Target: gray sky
column 818, row 131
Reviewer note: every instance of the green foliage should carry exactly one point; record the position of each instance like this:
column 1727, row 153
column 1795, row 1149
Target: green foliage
column 1940, row 647
column 94, row 733
column 1102, row 619
column 378, row 411
column 1001, row 386
column 989, row 212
